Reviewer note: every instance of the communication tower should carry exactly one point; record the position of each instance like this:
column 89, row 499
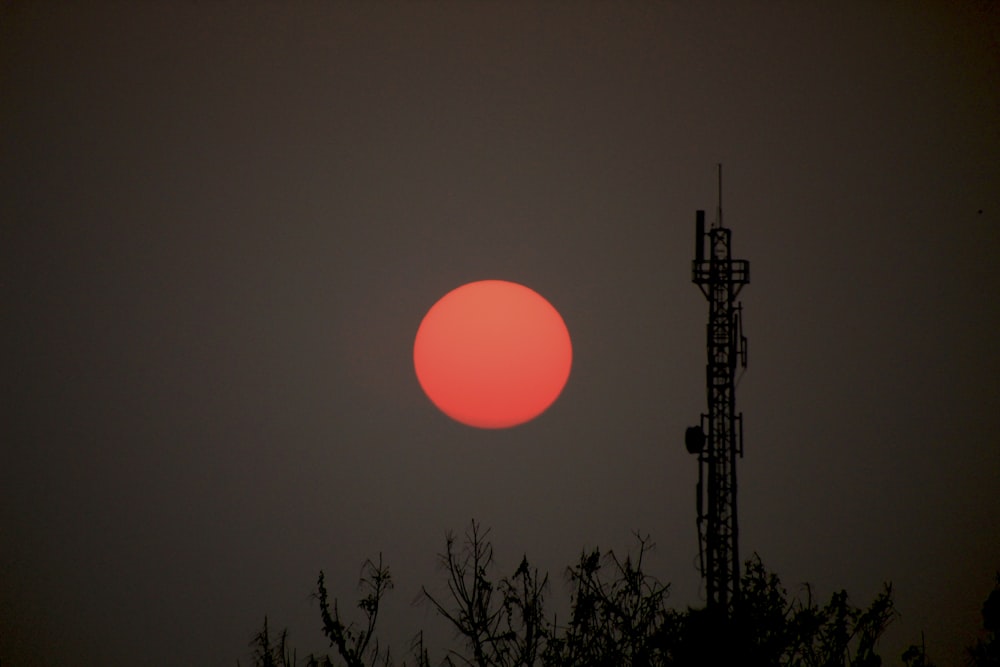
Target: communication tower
column 718, row 440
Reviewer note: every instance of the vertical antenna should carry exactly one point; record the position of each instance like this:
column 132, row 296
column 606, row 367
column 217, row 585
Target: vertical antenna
column 699, row 236
column 719, row 210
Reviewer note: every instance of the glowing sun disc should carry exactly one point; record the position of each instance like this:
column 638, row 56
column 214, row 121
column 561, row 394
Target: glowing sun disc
column 492, row 354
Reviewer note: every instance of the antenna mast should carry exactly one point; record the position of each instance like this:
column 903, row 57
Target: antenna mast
column 718, row 440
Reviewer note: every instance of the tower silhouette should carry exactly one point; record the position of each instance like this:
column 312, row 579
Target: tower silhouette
column 718, row 440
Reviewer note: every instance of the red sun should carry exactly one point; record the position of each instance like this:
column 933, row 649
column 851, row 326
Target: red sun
column 492, row 354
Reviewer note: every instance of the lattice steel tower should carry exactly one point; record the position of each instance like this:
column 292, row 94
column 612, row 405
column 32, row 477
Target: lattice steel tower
column 718, row 441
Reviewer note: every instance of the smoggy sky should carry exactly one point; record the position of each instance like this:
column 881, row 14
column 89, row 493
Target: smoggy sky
column 221, row 224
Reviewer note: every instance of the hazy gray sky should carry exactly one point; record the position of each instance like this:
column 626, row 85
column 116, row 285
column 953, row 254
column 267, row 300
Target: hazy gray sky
column 221, row 224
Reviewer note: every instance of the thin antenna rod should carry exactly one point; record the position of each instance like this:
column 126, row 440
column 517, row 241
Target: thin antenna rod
column 720, row 194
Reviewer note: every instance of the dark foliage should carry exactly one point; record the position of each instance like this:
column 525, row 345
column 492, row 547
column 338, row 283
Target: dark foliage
column 268, row 654
column 500, row 622
column 916, row 656
column 618, row 617
column 985, row 652
column 618, row 614
column 357, row 646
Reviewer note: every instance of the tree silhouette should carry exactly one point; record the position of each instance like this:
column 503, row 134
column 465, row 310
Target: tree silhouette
column 916, row 656
column 502, row 623
column 618, row 613
column 985, row 652
column 357, row 647
column 618, row 617
column 267, row 654
column 771, row 629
